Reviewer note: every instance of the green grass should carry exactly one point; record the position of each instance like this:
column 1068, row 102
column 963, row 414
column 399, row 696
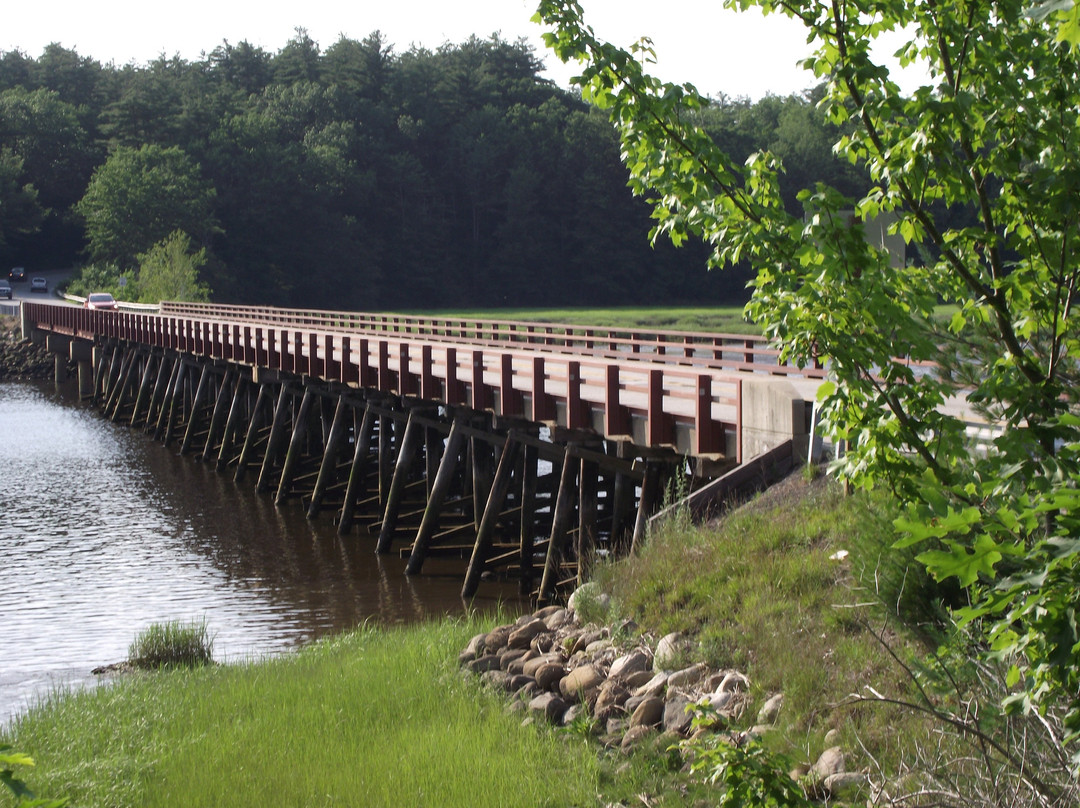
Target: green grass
column 760, row 593
column 374, row 718
column 174, row 643
column 714, row 319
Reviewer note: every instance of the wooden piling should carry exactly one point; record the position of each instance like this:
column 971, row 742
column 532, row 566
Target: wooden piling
column 330, row 453
column 292, row 456
column 443, row 478
column 261, row 402
column 560, row 527
column 273, row 442
column 405, row 456
column 196, row 407
column 218, row 416
column 232, row 423
column 358, row 469
column 484, row 536
column 587, row 513
column 650, row 493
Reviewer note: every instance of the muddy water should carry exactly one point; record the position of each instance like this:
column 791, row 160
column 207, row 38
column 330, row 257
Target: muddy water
column 103, row 531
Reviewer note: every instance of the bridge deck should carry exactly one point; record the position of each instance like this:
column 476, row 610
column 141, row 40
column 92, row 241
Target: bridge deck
column 658, row 388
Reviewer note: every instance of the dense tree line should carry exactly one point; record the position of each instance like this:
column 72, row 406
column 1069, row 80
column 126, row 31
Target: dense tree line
column 356, row 177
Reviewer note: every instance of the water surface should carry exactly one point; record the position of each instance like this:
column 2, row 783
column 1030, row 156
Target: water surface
column 103, row 531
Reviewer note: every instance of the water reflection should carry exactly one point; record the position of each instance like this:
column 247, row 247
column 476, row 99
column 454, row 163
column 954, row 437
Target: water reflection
column 104, row 531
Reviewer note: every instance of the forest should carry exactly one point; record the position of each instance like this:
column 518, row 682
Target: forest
column 357, row 177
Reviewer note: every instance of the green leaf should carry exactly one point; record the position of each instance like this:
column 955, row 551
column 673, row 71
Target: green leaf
column 961, row 562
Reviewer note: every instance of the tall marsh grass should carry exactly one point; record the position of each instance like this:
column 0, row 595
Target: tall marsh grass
column 175, row 643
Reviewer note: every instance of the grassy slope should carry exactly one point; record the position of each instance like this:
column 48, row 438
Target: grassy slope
column 386, row 716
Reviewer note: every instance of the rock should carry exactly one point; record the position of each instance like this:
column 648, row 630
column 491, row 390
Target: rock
column 548, row 676
column 515, row 682
column 687, row 676
column 495, row 679
column 770, row 710
column 634, row 736
column 669, row 651
column 510, row 655
column 649, row 713
column 523, row 636
column 635, row 680
column 609, row 700
column 496, row 638
column 488, row 662
column 846, row 785
column 533, row 665
column 474, row 649
column 585, row 639
column 676, row 717
column 589, row 599
column 597, row 647
column 545, row 612
column 636, row 661
column 572, row 714
column 733, row 682
column 550, row 706
column 654, row 687
column 544, row 642
column 518, row 665
column 831, row 736
column 556, row 619
column 830, row 762
column 580, row 681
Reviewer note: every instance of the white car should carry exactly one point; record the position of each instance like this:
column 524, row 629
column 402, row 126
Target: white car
column 39, row 285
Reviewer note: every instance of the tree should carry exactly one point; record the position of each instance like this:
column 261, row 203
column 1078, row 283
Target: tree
column 139, row 196
column 996, row 132
column 170, row 271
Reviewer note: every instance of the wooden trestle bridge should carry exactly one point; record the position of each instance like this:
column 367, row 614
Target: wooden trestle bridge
column 525, row 448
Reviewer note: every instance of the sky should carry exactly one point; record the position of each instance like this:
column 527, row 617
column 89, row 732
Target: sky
column 721, row 52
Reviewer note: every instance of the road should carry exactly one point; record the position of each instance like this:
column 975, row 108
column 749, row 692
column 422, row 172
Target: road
column 21, row 289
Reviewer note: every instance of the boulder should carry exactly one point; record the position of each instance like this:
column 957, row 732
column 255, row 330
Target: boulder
column 687, row 676
column 676, row 717
column 556, row 619
column 669, row 651
column 533, row 665
column 635, row 680
column 649, row 712
column 830, row 762
column 654, row 687
column 548, row 676
column 550, row 706
column 609, row 700
column 580, row 681
column 510, row 655
column 634, row 736
column 637, row 661
column 496, row 638
column 488, row 662
column 847, row 786
column 733, row 682
column 770, row 710
column 522, row 636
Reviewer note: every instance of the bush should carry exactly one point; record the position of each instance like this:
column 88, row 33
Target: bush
column 172, row 644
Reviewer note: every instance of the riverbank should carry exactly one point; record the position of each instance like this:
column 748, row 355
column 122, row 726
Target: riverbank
column 386, row 717
column 19, row 359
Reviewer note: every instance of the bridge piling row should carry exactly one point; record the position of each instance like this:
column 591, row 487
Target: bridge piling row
column 421, row 480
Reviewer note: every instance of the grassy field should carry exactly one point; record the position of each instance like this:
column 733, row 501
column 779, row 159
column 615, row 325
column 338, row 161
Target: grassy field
column 725, row 320
column 373, row 718
column 382, row 717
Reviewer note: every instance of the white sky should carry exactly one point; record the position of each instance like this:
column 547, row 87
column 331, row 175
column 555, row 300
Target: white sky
column 696, row 40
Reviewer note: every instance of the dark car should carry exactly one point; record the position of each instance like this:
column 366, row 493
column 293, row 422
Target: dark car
column 17, row 274
column 39, row 285
column 5, row 289
column 100, row 300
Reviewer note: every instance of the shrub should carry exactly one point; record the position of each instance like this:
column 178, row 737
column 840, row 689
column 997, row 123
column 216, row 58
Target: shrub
column 172, row 644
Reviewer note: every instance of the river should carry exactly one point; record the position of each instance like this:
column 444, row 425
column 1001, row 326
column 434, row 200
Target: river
column 104, row 531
